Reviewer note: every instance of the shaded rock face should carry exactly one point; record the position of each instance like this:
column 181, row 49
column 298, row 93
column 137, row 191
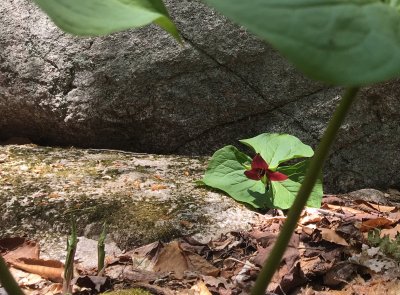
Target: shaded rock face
column 141, row 91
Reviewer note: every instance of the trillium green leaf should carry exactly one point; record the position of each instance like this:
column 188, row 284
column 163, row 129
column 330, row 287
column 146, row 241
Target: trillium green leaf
column 283, row 193
column 226, row 172
column 343, row 42
column 277, row 148
column 101, row 17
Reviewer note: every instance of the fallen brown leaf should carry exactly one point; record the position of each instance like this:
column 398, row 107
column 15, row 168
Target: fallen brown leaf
column 25, row 279
column 50, row 269
column 221, row 245
column 15, row 248
column 312, row 218
column 360, row 217
column 53, row 289
column 391, row 232
column 331, row 236
column 379, row 222
column 146, row 250
column 289, row 274
column 201, row 289
column 343, row 209
column 172, row 258
column 379, row 208
column 339, row 274
column 394, row 215
column 145, row 257
column 129, row 273
column 215, row 281
column 199, row 264
column 333, row 199
column 364, row 206
column 350, row 231
column 265, row 239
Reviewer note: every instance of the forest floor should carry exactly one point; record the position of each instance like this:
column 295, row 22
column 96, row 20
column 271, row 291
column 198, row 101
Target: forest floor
column 351, row 245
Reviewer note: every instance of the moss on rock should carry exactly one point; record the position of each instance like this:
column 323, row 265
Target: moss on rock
column 143, row 198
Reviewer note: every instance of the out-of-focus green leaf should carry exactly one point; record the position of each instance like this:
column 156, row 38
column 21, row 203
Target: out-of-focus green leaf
column 101, row 17
column 344, row 42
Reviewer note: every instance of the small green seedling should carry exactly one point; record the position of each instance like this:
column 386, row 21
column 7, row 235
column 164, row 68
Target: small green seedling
column 11, row 286
column 69, row 261
column 263, row 181
column 101, row 253
column 390, row 247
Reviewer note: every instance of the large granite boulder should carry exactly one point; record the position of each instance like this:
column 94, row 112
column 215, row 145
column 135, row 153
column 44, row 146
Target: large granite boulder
column 141, row 91
column 142, row 197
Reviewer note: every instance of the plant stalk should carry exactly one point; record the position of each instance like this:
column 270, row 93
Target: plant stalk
column 316, row 164
column 101, row 253
column 69, row 261
column 7, row 280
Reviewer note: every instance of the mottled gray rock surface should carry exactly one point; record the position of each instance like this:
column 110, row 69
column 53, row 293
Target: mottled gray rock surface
column 143, row 198
column 141, row 91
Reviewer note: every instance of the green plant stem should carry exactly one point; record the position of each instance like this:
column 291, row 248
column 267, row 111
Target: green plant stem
column 101, row 253
column 315, row 168
column 7, row 280
column 69, row 261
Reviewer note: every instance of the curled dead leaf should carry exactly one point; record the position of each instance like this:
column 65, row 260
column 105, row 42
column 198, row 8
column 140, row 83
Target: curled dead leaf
column 380, row 222
column 377, row 207
column 50, row 269
column 343, row 209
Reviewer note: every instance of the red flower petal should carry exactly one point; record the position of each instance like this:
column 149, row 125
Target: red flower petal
column 252, row 174
column 259, row 163
column 276, row 176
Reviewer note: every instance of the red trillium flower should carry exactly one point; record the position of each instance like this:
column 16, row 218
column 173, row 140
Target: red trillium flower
column 259, row 169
